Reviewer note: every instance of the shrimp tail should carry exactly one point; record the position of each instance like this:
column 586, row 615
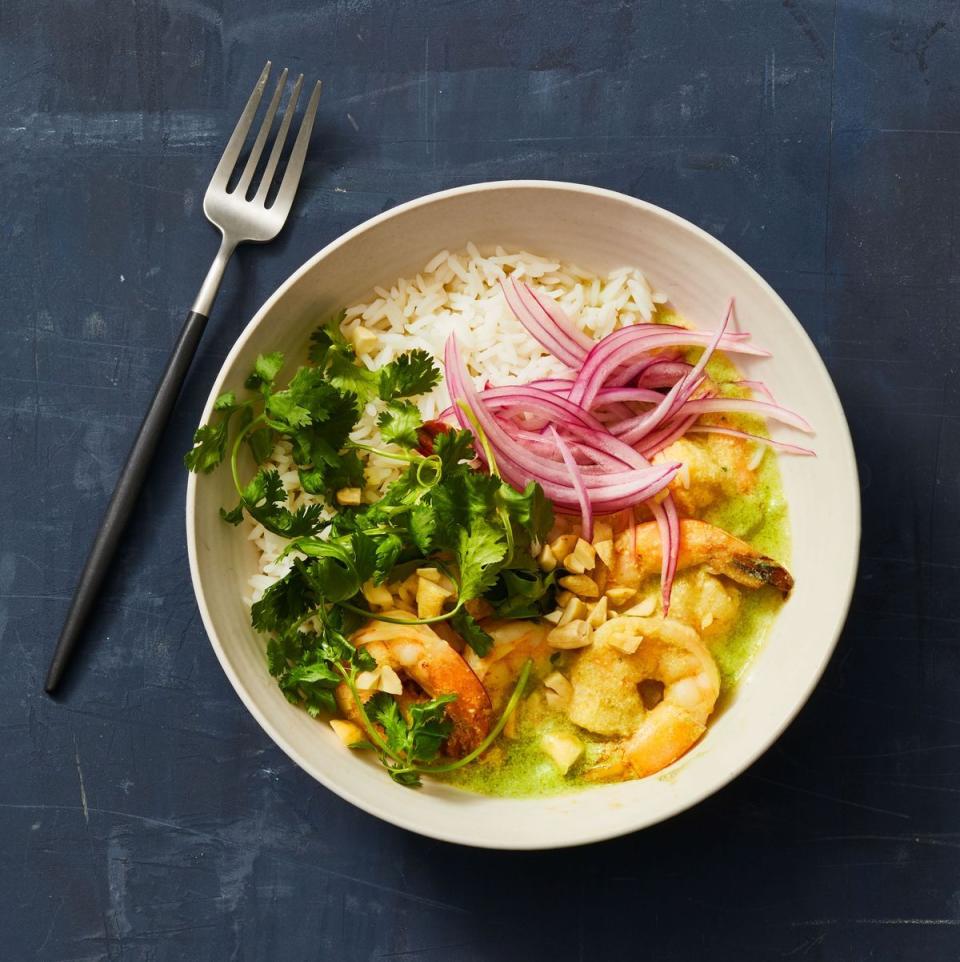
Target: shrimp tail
column 755, row 571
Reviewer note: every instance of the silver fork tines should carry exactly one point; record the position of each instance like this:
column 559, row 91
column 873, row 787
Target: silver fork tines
column 238, row 218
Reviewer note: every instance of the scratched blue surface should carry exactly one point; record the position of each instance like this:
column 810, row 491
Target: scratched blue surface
column 143, row 815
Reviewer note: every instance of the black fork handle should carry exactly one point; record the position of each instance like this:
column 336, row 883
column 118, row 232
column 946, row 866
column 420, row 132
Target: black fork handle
column 125, row 494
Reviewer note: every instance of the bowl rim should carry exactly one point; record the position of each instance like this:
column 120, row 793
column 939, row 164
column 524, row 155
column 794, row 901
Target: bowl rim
column 592, row 834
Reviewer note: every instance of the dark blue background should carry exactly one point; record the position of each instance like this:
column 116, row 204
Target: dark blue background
column 144, row 815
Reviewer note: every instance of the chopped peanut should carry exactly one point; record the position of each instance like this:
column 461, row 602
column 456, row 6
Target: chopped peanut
column 563, row 598
column 554, row 617
column 615, row 634
column 564, row 749
column 547, row 559
column 365, row 341
column 431, row 574
column 430, row 599
column 573, row 610
column 346, row 731
column 602, row 532
column 377, row 595
column 368, row 680
column 619, row 595
column 604, row 551
column 582, row 558
column 389, row 681
column 562, row 546
column 598, row 614
column 644, row 608
column 574, row 634
column 582, row 585
column 350, row 496
column 559, row 690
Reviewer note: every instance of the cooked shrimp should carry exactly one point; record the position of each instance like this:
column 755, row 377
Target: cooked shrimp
column 637, row 555
column 513, row 643
column 420, row 654
column 608, row 688
column 715, row 466
column 706, row 603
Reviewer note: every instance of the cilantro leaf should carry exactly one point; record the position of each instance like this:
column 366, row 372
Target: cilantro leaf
column 452, row 447
column 429, row 728
column 462, row 496
column 265, row 500
column 210, row 440
column 523, row 593
column 328, row 336
column 412, row 373
column 308, row 399
column 234, row 516
column 284, row 414
column 313, row 672
column 364, row 556
column 261, row 444
column 284, row 602
column 322, row 441
column 399, row 424
column 422, row 524
column 265, row 371
column 349, row 377
column 529, row 509
column 388, row 550
column 468, row 628
column 479, row 551
column 412, row 741
column 384, row 711
column 325, row 478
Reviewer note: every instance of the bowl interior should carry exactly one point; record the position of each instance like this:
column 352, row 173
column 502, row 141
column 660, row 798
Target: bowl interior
column 598, row 230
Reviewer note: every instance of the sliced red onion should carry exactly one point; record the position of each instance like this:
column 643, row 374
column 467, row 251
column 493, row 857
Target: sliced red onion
column 549, row 312
column 662, row 374
column 612, row 395
column 516, row 461
column 633, row 431
column 758, row 387
column 668, row 526
column 624, row 346
column 540, row 326
column 725, row 405
column 586, row 511
column 759, row 438
column 537, row 401
column 672, row 431
column 606, row 394
column 631, row 372
column 690, row 380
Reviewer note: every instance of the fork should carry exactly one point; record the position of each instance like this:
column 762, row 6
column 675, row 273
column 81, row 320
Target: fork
column 238, row 220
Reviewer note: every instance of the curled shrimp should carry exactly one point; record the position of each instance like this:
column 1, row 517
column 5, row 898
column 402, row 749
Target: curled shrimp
column 630, row 659
column 422, row 656
column 514, row 642
column 637, row 555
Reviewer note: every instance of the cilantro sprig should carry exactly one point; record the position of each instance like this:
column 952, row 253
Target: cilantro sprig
column 441, row 511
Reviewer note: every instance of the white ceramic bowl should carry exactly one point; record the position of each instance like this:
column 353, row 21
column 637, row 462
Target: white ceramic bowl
column 597, row 229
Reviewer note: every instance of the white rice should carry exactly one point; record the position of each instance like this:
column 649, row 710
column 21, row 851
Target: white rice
column 459, row 292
